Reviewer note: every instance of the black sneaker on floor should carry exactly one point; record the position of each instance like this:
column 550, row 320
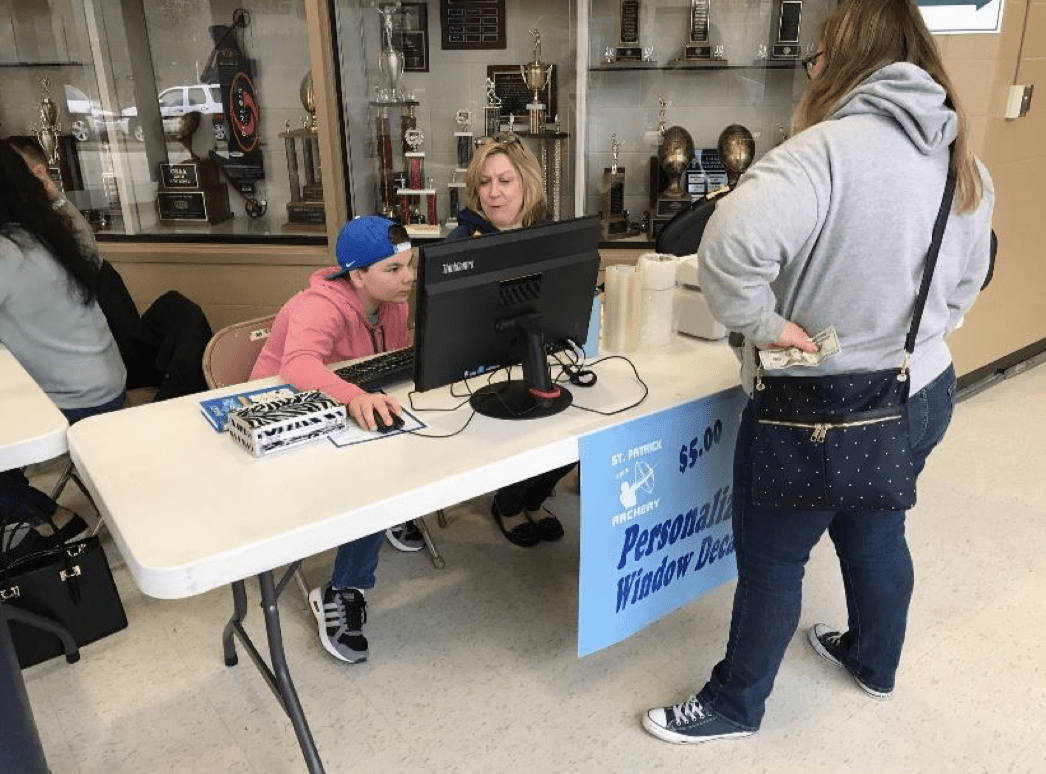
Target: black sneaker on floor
column 405, row 537
column 825, row 642
column 340, row 615
column 690, row 723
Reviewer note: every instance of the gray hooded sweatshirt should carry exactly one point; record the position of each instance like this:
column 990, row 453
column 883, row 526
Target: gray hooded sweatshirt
column 832, row 227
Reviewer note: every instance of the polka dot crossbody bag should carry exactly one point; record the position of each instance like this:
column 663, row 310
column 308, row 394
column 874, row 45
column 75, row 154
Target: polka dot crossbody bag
column 840, row 441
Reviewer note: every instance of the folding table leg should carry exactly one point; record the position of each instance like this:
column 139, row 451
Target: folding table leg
column 278, row 676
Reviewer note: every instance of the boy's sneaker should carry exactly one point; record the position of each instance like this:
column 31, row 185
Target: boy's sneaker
column 405, row 537
column 825, row 642
column 340, row 614
column 690, row 723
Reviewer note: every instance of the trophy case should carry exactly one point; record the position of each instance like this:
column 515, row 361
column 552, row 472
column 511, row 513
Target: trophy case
column 662, row 80
column 413, row 123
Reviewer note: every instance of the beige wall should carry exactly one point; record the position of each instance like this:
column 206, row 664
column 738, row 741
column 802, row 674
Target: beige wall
column 1008, row 316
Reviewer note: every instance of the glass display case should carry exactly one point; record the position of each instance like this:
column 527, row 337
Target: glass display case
column 175, row 119
column 664, row 79
column 423, row 82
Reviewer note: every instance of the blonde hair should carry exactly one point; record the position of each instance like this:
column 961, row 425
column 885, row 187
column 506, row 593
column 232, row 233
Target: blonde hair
column 525, row 162
column 862, row 36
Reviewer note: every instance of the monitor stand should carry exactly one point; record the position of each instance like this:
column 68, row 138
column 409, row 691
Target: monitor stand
column 535, row 395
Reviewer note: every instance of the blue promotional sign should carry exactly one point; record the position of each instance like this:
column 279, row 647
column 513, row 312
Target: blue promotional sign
column 655, row 516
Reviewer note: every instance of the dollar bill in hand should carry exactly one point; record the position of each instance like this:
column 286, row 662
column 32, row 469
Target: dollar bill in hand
column 827, row 342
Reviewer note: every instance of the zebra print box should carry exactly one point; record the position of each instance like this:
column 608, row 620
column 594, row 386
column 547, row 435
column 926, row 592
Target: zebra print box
column 281, row 424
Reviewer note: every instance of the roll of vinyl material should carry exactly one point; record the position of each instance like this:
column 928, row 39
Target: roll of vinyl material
column 657, row 315
column 620, row 323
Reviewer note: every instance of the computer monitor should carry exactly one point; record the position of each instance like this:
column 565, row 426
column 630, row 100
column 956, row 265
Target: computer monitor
column 504, row 299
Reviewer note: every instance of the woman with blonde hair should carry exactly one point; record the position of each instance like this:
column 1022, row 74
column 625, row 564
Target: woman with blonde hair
column 831, row 228
column 504, row 190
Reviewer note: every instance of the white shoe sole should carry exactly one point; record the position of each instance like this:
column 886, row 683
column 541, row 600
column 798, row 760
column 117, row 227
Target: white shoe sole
column 820, row 650
column 316, row 605
column 399, row 546
column 672, row 737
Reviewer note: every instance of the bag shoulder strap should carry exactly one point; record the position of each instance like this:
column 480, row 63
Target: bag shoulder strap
column 931, row 257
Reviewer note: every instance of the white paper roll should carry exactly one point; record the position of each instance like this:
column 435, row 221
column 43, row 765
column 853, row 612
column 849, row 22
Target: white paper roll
column 658, row 270
column 620, row 330
column 657, row 315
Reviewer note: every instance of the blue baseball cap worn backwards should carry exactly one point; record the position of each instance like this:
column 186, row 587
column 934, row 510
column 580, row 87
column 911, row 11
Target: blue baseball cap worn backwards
column 363, row 241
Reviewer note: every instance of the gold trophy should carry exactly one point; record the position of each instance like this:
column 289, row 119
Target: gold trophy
column 48, row 129
column 536, row 75
column 674, row 156
column 736, row 149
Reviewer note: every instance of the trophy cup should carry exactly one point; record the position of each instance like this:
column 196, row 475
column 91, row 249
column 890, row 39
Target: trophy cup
column 305, row 209
column 492, row 112
column 536, row 75
column 49, row 128
column 612, row 197
column 628, row 48
column 390, row 59
column 463, row 138
column 736, row 149
column 408, row 121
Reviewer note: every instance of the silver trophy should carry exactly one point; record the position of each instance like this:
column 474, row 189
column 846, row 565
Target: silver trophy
column 390, row 60
column 536, row 75
column 492, row 111
column 463, row 137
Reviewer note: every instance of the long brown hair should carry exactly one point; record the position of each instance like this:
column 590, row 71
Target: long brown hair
column 525, row 162
column 862, row 36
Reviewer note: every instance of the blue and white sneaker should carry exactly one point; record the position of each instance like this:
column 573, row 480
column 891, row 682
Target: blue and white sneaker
column 690, row 723
column 825, row 642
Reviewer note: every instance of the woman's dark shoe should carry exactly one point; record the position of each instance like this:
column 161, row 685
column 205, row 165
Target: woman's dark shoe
column 548, row 527
column 524, row 534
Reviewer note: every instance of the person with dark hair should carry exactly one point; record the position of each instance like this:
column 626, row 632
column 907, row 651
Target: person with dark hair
column 358, row 309
column 812, row 237
column 504, row 190
column 30, row 150
column 51, row 323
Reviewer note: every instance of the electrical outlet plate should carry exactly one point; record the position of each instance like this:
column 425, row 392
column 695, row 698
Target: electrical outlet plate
column 1019, row 101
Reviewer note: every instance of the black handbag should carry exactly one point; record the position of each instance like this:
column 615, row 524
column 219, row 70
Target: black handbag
column 682, row 234
column 840, row 441
column 70, row 588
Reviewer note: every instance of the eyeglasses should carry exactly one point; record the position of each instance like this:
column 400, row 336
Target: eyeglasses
column 502, row 138
column 810, row 61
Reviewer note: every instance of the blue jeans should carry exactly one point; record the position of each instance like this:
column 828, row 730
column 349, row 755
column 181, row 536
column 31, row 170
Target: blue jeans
column 356, row 562
column 773, row 546
column 21, row 503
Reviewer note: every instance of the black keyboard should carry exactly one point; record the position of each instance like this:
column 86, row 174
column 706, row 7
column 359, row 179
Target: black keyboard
column 381, row 370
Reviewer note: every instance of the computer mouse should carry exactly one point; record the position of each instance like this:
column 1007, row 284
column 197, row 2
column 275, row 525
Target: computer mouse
column 382, row 427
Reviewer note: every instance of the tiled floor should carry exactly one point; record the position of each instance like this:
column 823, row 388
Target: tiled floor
column 474, row 667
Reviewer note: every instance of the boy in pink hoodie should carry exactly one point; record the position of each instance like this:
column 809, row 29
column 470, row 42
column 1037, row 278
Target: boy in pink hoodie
column 358, row 310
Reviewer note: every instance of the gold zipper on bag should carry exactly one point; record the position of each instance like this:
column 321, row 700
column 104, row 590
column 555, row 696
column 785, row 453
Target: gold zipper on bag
column 820, row 429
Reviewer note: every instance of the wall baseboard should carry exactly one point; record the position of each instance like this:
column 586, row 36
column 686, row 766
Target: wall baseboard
column 1016, row 362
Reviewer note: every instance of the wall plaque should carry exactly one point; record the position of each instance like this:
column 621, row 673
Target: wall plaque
column 471, row 24
column 514, row 94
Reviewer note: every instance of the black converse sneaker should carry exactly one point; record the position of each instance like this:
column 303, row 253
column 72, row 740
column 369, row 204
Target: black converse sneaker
column 405, row 537
column 690, row 723
column 825, row 642
column 340, row 615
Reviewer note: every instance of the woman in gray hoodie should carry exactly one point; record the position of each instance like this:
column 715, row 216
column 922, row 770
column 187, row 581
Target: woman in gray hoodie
column 831, row 228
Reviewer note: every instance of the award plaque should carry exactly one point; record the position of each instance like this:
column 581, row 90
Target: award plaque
column 628, row 48
column 192, row 192
column 698, row 46
column 784, row 36
column 612, row 197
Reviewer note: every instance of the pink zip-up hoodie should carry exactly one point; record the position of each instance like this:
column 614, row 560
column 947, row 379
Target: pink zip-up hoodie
column 327, row 324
